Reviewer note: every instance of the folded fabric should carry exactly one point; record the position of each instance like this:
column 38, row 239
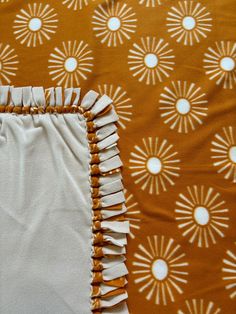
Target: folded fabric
column 60, row 171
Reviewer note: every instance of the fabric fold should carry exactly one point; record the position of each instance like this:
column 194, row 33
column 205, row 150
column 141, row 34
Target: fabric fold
column 108, row 273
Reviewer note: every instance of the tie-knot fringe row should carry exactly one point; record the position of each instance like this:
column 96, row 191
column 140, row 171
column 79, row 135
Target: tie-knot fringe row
column 109, row 227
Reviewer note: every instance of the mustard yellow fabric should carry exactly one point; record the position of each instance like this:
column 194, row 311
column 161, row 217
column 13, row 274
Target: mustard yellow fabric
column 170, row 68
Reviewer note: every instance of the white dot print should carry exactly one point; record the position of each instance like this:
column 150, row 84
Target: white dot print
column 160, row 269
column 232, row 154
column 154, row 165
column 189, row 23
column 183, row 106
column 114, row 23
column 201, row 215
column 151, row 60
column 227, row 64
column 35, row 24
column 71, row 64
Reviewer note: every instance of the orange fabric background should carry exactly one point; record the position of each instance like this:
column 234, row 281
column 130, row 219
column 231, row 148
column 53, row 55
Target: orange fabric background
column 157, row 211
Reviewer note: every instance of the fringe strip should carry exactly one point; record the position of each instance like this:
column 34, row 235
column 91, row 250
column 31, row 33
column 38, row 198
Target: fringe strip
column 108, row 286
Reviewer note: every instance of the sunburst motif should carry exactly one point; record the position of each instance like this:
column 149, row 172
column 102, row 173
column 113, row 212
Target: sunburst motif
column 113, row 22
column 229, row 273
column 75, row 4
column 154, row 164
column 151, row 3
column 199, row 306
column 160, row 269
column 151, row 60
column 183, row 106
column 35, row 24
column 201, row 215
column 70, row 63
column 220, row 63
column 132, row 214
column 8, row 63
column 224, row 152
column 121, row 102
column 189, row 22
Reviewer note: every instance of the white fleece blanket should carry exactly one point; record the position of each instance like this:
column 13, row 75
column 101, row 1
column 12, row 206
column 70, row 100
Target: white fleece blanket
column 45, row 215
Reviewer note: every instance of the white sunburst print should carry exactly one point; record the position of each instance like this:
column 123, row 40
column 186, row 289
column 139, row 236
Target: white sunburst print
column 121, row 101
column 189, row 22
column 151, row 60
column 36, row 23
column 183, row 106
column 220, row 63
column 229, row 273
column 199, row 306
column 224, row 152
column 151, row 3
column 76, row 4
column 8, row 63
column 154, row 165
column 201, row 215
column 132, row 214
column 160, row 269
column 70, row 63
column 114, row 22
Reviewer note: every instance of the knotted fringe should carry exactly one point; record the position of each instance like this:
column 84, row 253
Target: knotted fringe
column 108, row 203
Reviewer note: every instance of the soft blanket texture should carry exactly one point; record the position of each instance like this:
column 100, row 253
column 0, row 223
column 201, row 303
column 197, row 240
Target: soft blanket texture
column 62, row 203
column 45, row 214
column 170, row 68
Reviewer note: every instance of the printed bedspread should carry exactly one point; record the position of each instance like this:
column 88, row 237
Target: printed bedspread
column 118, row 156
